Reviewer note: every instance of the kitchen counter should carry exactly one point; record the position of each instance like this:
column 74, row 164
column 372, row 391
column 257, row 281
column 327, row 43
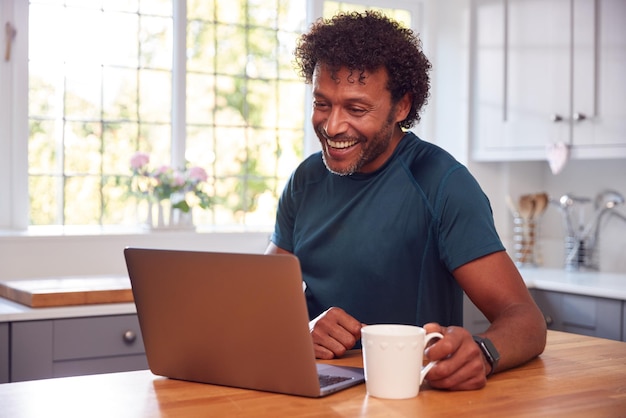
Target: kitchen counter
column 576, row 376
column 12, row 311
column 598, row 284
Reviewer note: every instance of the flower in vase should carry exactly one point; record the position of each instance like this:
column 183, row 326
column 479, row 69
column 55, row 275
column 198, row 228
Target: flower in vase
column 183, row 188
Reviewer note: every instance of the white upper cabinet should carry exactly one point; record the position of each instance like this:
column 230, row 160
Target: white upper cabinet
column 547, row 72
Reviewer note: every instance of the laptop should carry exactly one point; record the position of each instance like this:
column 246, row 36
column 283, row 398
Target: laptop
column 229, row 319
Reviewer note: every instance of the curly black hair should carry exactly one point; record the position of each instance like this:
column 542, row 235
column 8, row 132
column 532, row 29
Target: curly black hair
column 367, row 42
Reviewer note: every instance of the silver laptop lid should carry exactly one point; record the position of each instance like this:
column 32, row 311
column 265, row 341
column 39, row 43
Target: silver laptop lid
column 222, row 318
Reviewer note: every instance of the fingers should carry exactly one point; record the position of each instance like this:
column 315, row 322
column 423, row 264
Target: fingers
column 334, row 332
column 461, row 365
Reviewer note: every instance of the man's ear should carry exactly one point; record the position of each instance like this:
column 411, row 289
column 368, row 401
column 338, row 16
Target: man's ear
column 403, row 107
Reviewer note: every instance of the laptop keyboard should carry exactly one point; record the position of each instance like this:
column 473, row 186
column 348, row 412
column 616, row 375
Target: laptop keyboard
column 327, row 380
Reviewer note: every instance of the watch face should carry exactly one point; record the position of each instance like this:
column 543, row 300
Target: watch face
column 492, row 349
column 489, row 351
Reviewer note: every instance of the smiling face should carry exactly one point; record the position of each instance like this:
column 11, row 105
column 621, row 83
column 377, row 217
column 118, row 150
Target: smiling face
column 355, row 120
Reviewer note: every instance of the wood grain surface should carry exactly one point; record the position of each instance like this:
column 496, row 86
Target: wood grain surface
column 66, row 291
column 576, row 376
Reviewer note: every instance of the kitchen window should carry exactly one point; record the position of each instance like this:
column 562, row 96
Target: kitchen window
column 205, row 82
column 86, row 83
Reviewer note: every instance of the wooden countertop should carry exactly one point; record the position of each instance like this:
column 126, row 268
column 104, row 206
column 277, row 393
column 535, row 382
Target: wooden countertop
column 576, row 376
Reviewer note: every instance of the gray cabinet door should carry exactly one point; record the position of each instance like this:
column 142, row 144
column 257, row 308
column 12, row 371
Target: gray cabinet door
column 76, row 346
column 587, row 315
column 4, row 352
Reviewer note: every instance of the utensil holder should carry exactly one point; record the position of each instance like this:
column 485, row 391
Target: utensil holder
column 525, row 234
column 580, row 254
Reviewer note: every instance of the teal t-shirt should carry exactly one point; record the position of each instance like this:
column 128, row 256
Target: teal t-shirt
column 382, row 245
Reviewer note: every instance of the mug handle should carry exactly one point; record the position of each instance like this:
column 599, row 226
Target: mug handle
column 430, row 365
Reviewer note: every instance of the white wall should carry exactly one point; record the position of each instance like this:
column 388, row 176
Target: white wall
column 89, row 255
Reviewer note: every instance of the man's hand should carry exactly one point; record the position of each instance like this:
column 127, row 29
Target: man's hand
column 334, row 332
column 461, row 366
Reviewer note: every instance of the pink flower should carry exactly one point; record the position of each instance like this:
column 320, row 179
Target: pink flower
column 179, row 179
column 162, row 170
column 139, row 160
column 198, row 174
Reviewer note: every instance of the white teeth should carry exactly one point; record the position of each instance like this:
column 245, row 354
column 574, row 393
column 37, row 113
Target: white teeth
column 341, row 144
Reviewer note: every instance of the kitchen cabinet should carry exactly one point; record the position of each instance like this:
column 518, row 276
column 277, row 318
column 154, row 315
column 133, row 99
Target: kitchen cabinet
column 547, row 72
column 75, row 346
column 473, row 319
column 4, row 352
column 580, row 314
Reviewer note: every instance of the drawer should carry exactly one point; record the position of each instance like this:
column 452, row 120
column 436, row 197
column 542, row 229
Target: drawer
column 79, row 367
column 80, row 338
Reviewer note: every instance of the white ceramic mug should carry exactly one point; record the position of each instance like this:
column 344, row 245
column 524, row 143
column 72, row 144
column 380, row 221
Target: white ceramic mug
column 393, row 357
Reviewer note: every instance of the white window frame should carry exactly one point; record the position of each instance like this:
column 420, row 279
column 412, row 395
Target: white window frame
column 14, row 118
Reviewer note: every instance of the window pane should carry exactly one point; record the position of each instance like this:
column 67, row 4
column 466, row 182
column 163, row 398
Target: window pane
column 155, row 95
column 119, row 140
column 155, row 7
column 230, row 106
column 44, row 200
column 232, row 11
column 231, row 57
column 82, row 145
column 85, row 206
column 231, row 151
column 44, row 143
column 82, row 41
column 45, row 95
column 200, row 98
column 291, row 100
column 121, row 43
column 120, row 5
column 262, row 44
column 201, row 9
column 155, row 37
column 263, row 13
column 120, row 90
column 200, row 147
column 200, row 46
column 83, row 89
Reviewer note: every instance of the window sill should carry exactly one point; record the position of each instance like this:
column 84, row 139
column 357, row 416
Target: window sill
column 74, row 231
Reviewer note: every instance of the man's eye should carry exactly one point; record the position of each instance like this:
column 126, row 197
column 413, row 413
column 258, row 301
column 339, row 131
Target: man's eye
column 356, row 110
column 319, row 105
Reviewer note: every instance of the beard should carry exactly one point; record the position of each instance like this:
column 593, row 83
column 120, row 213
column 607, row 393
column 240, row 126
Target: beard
column 371, row 148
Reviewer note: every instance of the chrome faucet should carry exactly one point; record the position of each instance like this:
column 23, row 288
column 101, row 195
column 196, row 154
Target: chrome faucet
column 581, row 239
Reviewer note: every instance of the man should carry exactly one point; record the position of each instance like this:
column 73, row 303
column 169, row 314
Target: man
column 389, row 228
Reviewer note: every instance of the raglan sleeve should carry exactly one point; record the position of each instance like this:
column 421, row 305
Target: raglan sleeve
column 466, row 226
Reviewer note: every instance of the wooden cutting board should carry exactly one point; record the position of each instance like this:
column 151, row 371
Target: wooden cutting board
column 67, row 291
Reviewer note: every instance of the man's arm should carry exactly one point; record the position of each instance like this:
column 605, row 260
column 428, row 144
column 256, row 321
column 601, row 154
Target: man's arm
column 518, row 328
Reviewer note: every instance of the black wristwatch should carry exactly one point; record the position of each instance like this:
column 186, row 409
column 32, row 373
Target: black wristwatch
column 489, row 351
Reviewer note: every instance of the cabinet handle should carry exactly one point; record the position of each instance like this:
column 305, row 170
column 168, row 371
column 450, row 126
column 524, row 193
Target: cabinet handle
column 579, row 116
column 129, row 337
column 549, row 320
column 556, row 118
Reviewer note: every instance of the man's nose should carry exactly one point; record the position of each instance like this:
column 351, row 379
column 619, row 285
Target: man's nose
column 336, row 123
